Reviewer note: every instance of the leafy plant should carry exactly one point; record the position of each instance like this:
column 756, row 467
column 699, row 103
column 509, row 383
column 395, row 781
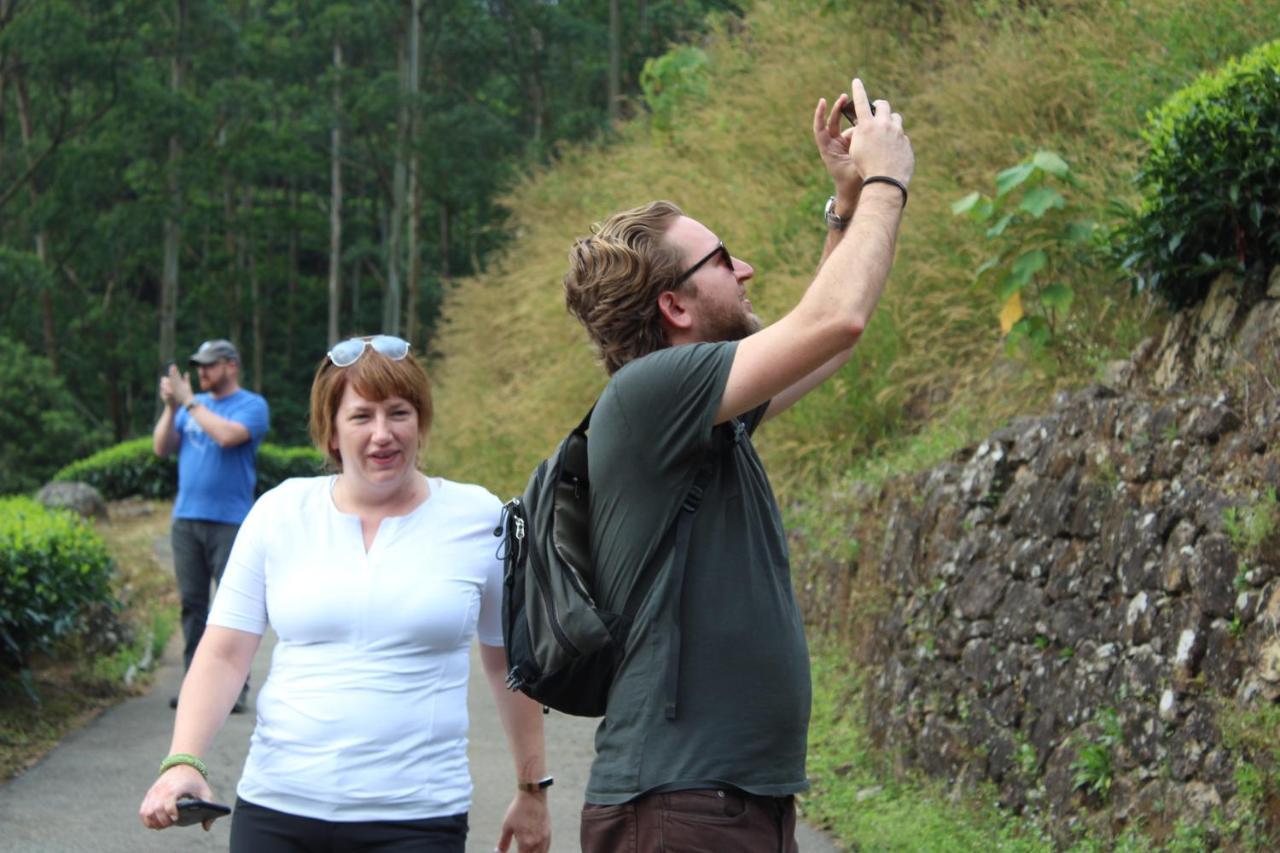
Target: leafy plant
column 1210, row 182
column 1093, row 765
column 1249, row 526
column 131, row 468
column 668, row 80
column 1037, row 234
column 126, row 469
column 52, row 566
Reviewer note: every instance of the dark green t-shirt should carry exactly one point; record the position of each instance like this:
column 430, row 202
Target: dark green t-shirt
column 744, row 688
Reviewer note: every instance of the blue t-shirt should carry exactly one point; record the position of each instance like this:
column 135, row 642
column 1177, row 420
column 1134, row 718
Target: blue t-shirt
column 216, row 483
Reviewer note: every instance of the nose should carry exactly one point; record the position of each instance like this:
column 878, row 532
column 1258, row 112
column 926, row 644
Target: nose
column 742, row 270
column 381, row 428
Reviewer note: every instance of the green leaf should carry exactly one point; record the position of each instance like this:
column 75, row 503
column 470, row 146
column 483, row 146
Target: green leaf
column 988, row 264
column 1057, row 297
column 1039, row 200
column 1030, row 263
column 1009, row 285
column 998, row 229
column 1080, row 232
column 965, row 204
column 1049, row 161
column 1013, row 177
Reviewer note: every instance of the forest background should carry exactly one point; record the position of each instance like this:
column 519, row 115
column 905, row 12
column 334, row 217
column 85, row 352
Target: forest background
column 278, row 173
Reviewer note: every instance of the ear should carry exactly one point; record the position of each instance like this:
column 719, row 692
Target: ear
column 673, row 311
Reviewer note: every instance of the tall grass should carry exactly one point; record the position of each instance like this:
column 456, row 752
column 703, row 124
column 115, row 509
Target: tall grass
column 980, row 87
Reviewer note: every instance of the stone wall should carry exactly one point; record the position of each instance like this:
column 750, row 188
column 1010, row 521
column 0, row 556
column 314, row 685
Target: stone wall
column 1078, row 586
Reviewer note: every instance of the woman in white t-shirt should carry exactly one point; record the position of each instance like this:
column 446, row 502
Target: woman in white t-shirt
column 374, row 580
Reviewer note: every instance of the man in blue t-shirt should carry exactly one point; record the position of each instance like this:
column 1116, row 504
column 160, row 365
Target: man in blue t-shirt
column 216, row 436
column 702, row 746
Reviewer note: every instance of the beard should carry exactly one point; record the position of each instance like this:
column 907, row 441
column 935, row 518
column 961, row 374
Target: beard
column 732, row 325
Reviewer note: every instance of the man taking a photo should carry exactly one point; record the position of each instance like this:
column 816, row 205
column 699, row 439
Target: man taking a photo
column 712, row 758
column 216, row 436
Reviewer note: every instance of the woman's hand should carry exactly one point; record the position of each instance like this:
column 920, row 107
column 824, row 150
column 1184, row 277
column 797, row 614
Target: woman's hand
column 159, row 808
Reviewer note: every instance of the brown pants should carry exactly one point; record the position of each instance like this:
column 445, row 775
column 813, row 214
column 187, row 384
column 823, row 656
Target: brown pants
column 702, row 821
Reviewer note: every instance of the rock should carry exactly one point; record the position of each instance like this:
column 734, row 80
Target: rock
column 79, row 497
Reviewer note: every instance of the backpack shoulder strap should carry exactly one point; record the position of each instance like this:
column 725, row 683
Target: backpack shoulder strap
column 684, row 526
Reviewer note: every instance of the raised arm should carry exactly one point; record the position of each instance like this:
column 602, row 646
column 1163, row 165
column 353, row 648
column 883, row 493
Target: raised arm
column 164, row 438
column 527, row 820
column 787, row 359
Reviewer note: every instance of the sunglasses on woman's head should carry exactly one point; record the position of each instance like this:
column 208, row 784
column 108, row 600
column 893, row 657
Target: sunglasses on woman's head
column 349, row 351
column 718, row 252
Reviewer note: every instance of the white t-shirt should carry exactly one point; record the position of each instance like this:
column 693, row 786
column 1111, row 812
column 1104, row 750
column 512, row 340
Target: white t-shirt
column 363, row 715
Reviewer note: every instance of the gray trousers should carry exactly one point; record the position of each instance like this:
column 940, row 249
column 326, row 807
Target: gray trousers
column 200, row 552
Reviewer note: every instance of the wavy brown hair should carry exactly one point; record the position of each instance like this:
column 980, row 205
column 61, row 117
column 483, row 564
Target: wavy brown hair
column 614, row 279
column 375, row 377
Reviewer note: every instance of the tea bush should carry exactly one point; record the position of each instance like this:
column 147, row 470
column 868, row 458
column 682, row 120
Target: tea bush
column 131, row 468
column 1211, row 181
column 52, row 567
column 277, row 464
column 127, row 469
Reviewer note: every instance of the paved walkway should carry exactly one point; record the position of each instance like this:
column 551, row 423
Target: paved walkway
column 84, row 795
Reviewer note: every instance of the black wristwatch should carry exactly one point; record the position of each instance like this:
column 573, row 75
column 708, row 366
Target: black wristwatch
column 834, row 221
column 534, row 787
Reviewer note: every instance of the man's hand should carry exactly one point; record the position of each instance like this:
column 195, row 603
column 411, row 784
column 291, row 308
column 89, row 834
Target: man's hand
column 529, row 822
column 876, row 144
column 175, row 388
column 833, row 147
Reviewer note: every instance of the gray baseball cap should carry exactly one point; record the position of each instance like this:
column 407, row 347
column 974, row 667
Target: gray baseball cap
column 213, row 351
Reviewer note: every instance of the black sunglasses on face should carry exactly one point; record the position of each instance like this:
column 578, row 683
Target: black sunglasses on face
column 719, row 251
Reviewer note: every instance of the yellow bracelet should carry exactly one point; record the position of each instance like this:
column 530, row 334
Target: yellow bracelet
column 187, row 759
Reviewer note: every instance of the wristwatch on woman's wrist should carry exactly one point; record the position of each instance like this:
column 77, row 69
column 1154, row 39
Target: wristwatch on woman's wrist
column 540, row 785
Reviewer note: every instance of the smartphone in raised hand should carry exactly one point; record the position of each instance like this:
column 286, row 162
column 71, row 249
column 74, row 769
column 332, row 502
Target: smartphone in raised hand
column 847, row 110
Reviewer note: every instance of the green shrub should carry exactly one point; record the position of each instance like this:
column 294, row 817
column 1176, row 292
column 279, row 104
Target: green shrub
column 277, row 464
column 52, row 566
column 1211, row 181
column 127, row 469
column 132, row 468
column 41, row 426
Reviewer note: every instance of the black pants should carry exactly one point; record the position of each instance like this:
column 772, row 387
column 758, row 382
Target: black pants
column 200, row 552
column 257, row 829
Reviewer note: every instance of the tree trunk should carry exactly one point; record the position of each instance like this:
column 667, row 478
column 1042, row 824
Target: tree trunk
column 335, row 198
column 259, row 335
column 172, row 219
column 445, row 272
column 41, row 237
column 414, row 281
column 615, row 62
column 408, row 58
column 291, row 307
column 230, row 247
column 414, row 265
